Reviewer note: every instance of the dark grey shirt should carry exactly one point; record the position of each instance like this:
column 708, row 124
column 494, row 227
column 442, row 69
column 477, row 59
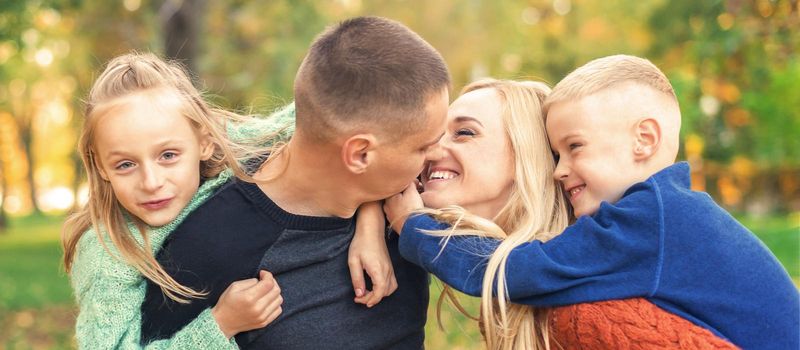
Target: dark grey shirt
column 240, row 231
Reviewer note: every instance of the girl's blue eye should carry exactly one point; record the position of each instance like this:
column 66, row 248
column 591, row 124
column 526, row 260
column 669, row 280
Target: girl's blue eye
column 169, row 155
column 124, row 165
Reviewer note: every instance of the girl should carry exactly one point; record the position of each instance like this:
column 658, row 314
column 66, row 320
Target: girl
column 148, row 142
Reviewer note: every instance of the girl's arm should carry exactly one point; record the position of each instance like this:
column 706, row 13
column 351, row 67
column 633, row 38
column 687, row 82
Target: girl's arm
column 368, row 252
column 110, row 294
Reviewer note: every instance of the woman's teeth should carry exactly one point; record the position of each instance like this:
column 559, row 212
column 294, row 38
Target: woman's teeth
column 442, row 175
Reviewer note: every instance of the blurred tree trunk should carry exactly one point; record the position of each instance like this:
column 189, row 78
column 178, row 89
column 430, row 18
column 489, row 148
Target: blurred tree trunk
column 26, row 135
column 3, row 223
column 181, row 20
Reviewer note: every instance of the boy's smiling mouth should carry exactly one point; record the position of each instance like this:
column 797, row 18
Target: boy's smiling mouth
column 575, row 190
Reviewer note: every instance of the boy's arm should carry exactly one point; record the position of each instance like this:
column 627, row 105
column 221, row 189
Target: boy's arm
column 610, row 256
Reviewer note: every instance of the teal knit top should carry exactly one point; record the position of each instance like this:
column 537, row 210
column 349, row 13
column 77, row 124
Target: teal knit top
column 109, row 292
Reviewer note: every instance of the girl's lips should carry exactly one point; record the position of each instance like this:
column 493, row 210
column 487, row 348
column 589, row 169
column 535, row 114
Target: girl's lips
column 157, row 204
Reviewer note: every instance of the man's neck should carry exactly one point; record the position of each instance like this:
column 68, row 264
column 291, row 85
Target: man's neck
column 305, row 182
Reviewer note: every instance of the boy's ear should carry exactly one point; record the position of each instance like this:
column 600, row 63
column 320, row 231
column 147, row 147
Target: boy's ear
column 357, row 152
column 648, row 139
column 206, row 147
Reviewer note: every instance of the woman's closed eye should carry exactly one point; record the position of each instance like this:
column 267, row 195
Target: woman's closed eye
column 575, row 145
column 464, row 132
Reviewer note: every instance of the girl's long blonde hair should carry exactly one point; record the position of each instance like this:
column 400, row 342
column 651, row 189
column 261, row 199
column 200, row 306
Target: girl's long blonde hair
column 124, row 76
column 536, row 210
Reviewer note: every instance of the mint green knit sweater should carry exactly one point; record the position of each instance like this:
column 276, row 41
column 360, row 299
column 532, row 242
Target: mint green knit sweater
column 110, row 292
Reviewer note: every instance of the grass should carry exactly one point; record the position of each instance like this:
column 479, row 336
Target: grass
column 37, row 311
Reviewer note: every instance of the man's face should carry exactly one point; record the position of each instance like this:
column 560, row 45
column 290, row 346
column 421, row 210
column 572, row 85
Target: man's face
column 399, row 163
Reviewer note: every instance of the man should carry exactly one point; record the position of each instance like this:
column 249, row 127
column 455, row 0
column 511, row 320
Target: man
column 371, row 100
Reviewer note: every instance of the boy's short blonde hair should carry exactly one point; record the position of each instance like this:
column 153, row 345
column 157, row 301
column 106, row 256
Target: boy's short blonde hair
column 606, row 72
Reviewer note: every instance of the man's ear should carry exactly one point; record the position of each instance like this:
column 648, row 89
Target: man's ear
column 648, row 139
column 357, row 152
column 206, row 147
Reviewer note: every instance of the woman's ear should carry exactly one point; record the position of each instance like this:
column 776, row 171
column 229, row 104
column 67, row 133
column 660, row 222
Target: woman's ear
column 357, row 152
column 648, row 139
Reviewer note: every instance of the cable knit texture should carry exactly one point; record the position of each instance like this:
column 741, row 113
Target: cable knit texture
column 110, row 292
column 627, row 324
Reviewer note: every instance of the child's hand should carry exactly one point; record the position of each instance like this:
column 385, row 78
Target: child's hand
column 398, row 207
column 248, row 304
column 368, row 252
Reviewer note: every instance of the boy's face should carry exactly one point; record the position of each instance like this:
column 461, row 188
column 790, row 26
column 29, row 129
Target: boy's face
column 593, row 141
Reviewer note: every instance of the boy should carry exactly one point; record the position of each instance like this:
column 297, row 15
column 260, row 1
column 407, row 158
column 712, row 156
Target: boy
column 613, row 125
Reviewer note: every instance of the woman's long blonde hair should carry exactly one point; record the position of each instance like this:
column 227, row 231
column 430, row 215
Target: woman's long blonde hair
column 536, row 210
column 124, row 76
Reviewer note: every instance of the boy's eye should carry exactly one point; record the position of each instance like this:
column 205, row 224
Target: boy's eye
column 124, row 165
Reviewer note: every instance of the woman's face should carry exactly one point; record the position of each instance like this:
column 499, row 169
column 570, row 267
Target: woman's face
column 474, row 166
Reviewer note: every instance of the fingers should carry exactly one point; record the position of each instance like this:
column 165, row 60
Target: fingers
column 241, row 285
column 379, row 287
column 357, row 277
column 384, row 283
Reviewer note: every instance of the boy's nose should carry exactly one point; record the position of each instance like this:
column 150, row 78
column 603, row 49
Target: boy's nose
column 561, row 171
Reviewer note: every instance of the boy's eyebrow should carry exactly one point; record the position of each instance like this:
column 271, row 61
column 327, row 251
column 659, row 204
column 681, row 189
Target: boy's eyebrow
column 565, row 137
column 464, row 118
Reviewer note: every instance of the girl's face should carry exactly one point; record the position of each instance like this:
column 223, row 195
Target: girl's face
column 150, row 154
column 474, row 167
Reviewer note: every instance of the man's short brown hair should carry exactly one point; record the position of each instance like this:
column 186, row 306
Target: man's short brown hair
column 367, row 73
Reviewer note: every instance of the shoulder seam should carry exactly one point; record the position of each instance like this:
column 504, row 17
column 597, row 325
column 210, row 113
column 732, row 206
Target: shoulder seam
column 660, row 260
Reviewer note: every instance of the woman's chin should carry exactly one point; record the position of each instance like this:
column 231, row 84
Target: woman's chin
column 434, row 200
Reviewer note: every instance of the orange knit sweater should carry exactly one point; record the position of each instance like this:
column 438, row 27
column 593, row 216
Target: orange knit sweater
column 627, row 324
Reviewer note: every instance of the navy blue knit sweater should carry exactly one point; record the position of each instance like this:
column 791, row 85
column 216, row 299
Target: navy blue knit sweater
column 240, row 231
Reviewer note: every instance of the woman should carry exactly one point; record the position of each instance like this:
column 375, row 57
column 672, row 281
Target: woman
column 495, row 163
